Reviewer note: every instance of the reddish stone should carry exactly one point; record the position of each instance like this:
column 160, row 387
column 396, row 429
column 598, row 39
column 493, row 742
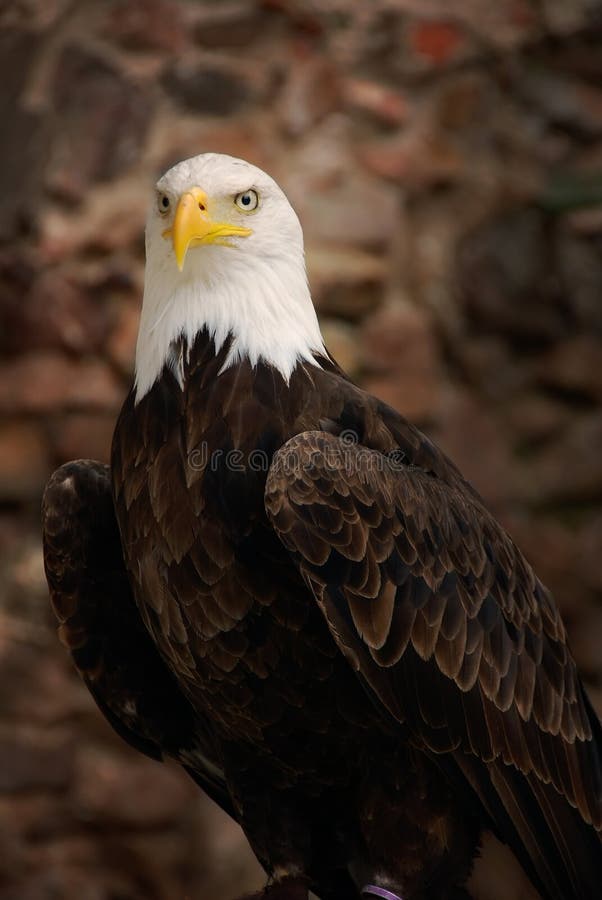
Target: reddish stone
column 174, row 138
column 312, row 91
column 121, row 346
column 51, row 692
column 398, row 344
column 504, row 25
column 345, row 283
column 355, row 210
column 147, row 25
column 460, row 102
column 48, row 878
column 418, row 158
column 573, row 367
column 438, row 42
column 341, row 341
column 399, row 336
column 161, row 854
column 34, row 816
column 468, row 431
column 489, row 366
column 232, row 24
column 82, row 436
column 570, row 469
column 55, row 313
column 29, row 577
column 34, row 759
column 382, row 102
column 37, row 13
column 23, row 460
column 112, row 220
column 586, row 221
column 227, row 847
column 134, row 791
column 414, row 396
column 49, row 381
column 534, row 418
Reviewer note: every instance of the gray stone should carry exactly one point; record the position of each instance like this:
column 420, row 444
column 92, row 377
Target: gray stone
column 205, row 88
column 32, row 759
column 232, row 24
column 101, row 122
column 22, row 148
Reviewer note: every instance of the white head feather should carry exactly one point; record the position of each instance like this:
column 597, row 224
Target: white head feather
column 255, row 289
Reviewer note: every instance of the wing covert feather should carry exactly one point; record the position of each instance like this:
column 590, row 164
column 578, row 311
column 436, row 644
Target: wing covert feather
column 443, row 617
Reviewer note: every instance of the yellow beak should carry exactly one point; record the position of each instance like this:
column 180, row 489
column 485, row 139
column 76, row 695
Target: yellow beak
column 193, row 226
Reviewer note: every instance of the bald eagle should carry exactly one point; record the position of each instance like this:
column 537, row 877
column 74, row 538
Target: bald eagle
column 286, row 587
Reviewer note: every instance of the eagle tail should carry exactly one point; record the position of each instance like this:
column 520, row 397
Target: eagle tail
column 560, row 852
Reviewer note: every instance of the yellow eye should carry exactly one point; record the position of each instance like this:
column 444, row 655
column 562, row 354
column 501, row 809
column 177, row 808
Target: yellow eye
column 163, row 204
column 247, row 201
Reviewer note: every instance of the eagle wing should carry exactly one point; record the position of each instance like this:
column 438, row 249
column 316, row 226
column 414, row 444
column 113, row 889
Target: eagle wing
column 101, row 626
column 451, row 632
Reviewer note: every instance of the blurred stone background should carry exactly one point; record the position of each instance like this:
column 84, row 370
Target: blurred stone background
column 446, row 163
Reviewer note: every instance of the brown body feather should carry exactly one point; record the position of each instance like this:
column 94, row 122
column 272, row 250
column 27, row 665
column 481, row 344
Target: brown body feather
column 380, row 674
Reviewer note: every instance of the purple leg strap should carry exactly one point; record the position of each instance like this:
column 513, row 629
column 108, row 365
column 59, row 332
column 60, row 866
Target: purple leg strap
column 370, row 890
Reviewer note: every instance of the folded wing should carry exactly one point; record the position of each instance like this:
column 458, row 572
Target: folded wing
column 447, row 625
column 101, row 627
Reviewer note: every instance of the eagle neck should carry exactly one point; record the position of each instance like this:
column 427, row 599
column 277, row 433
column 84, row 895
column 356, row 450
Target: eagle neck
column 260, row 390
column 259, row 308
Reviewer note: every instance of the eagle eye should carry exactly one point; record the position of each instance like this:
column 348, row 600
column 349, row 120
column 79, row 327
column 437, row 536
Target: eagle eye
column 163, row 204
column 247, row 201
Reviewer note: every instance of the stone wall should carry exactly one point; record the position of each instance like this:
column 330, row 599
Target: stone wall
column 446, row 163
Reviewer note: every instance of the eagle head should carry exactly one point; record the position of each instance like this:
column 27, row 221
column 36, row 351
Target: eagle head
column 224, row 252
